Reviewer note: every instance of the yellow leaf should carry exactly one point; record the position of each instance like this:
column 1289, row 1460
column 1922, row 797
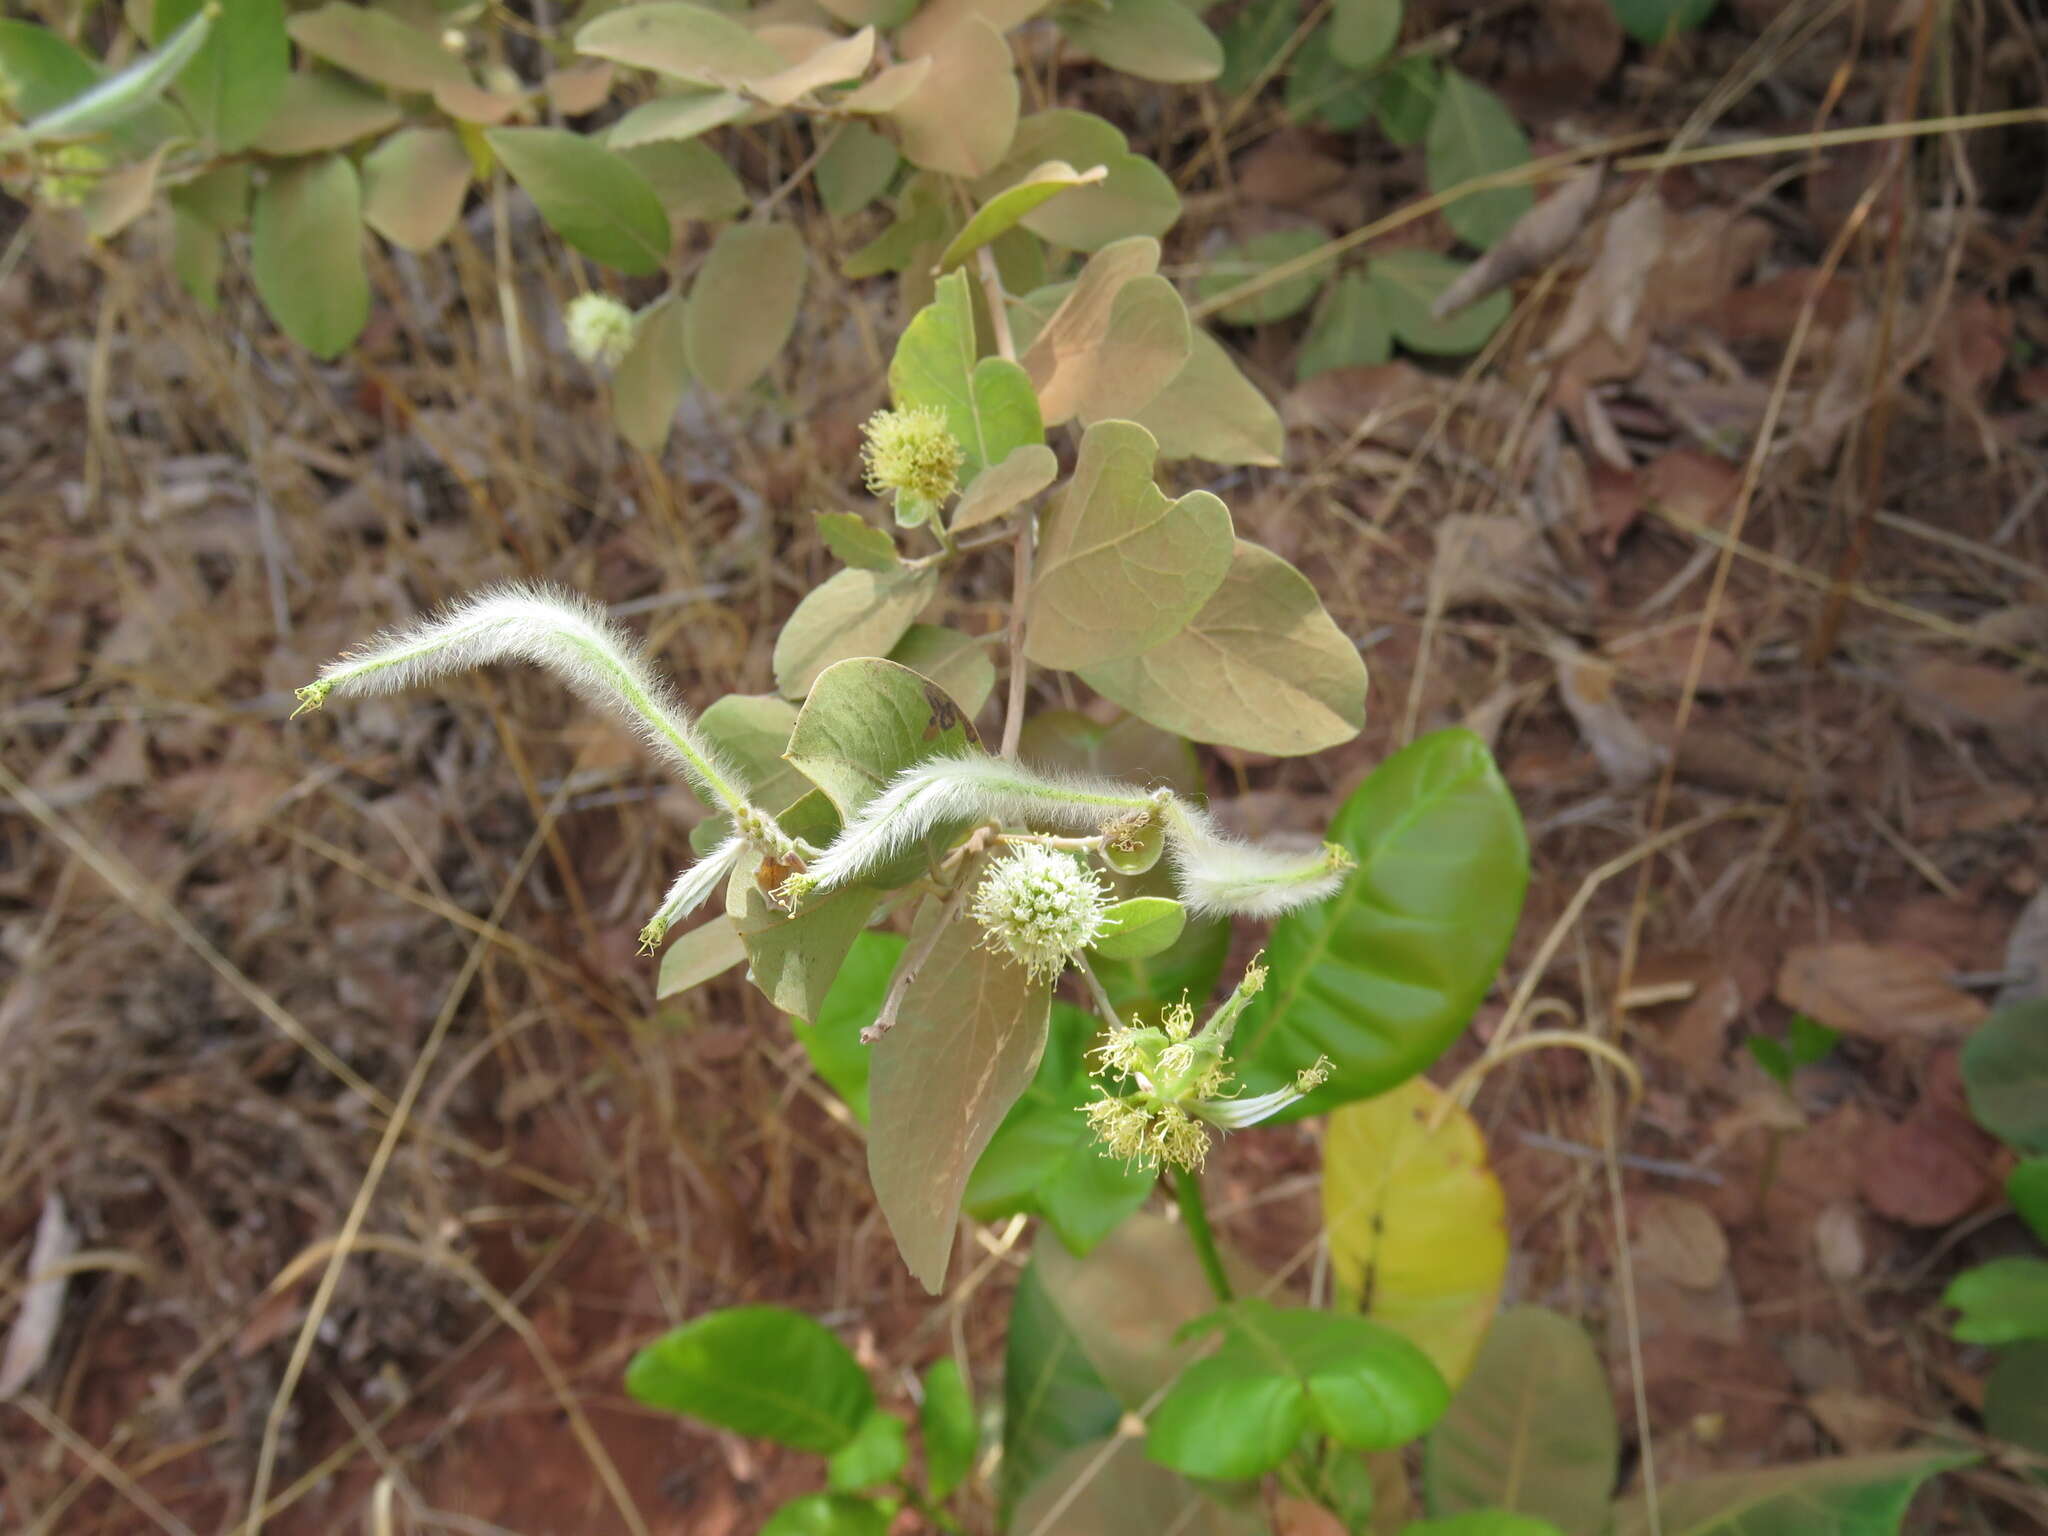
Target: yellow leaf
column 1416, row 1219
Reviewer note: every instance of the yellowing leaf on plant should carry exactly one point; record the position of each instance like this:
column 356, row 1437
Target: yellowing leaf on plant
column 649, row 382
column 413, row 187
column 1416, row 1220
column 1116, row 340
column 960, row 119
column 321, row 110
column 829, row 63
column 1210, row 410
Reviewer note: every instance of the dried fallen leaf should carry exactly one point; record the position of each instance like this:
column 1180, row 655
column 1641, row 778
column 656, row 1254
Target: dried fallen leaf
column 1971, row 346
column 1920, row 1172
column 1392, row 404
column 1860, row 1422
column 1482, row 558
column 42, row 1299
column 1770, row 310
column 1880, row 992
column 1699, row 487
column 1973, row 810
column 1967, row 693
column 2026, row 954
column 1626, row 755
column 1681, row 1240
column 1535, row 240
column 1838, row 1242
column 1610, row 295
column 1288, row 172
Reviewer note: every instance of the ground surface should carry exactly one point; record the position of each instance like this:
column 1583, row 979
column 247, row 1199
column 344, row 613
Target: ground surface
column 227, row 943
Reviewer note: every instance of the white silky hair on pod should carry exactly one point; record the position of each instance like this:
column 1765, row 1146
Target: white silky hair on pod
column 552, row 629
column 1218, row 874
column 697, row 884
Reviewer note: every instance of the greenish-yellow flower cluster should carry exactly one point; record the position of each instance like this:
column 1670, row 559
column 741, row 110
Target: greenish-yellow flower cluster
column 1184, row 1083
column 1041, row 906
column 912, row 456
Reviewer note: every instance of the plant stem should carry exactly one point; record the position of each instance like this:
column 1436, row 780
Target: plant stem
column 1027, row 529
column 1187, row 1189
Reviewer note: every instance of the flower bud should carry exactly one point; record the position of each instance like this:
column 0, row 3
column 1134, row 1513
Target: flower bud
column 912, row 456
column 1040, row 905
column 600, row 329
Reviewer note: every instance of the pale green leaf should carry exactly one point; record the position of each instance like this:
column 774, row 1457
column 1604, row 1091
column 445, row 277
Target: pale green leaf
column 306, row 253
column 376, row 46
column 1153, row 39
column 196, row 257
column 855, row 169
column 1121, row 568
column 744, row 303
column 1406, row 284
column 1139, row 928
column 958, row 663
column 2005, row 1073
column 855, row 613
column 1853, row 1496
column 707, row 950
column 676, row 117
column 237, row 79
column 857, row 542
column 1472, row 134
column 691, row 179
column 649, row 382
column 842, row 59
column 794, row 958
column 752, row 729
column 1210, row 410
column 591, row 196
column 1002, row 488
column 833, row 1042
column 1348, row 331
column 1010, row 206
column 1362, row 32
column 1261, row 666
column 321, row 110
column 865, row 722
column 1243, row 263
column 965, row 1045
column 683, row 41
column 1532, row 1429
column 413, row 186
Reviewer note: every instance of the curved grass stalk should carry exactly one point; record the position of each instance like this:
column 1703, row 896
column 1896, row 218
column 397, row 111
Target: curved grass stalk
column 577, row 642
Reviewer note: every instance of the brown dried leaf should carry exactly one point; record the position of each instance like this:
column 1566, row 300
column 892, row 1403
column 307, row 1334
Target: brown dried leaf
column 1288, row 172
column 1859, row 1422
column 1878, row 992
column 1610, row 295
column 41, row 1306
column 1626, row 755
column 1699, row 487
column 1663, row 657
column 1838, row 1242
column 1392, row 404
column 1681, row 1240
column 1964, row 693
column 1971, row 346
column 1495, row 559
column 1769, row 311
column 1919, row 1172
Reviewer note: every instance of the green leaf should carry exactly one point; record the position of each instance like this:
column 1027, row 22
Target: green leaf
column 1121, row 568
column 1407, row 283
column 857, row 542
column 2027, row 1188
column 690, row 178
column 649, row 382
column 1192, row 966
column 1241, row 263
column 707, row 950
column 1810, row 1040
column 1053, row 1399
column 1656, row 21
column 1107, row 1488
column 867, row 720
column 1153, row 39
column 1141, row 927
column 675, row 118
column 1261, row 666
column 1134, row 197
column 1044, row 1160
column 744, row 303
column 1009, row 207
column 1283, row 1371
column 794, row 958
column 1472, row 134
column 1116, row 340
column 1348, row 331
column 321, row 110
column 1210, row 410
column 2016, row 1397
column 951, row 1435
column 829, row 1514
column 1002, row 488
column 854, row 613
column 2002, row 1302
column 1129, row 1301
column 685, row 42
column 1532, row 1429
column 376, row 46
column 1417, row 1223
column 855, row 169
column 591, row 196
column 413, row 186
column 1853, row 1496
column 1252, row 40
column 753, row 730
column 1772, row 1056
column 763, row 1371
column 1488, row 1522
column 219, row 198
column 964, row 1048
column 196, row 257
column 237, row 80
column 1129, row 750
column 39, row 70
column 833, row 1041
column 1363, row 32
column 306, row 253
column 874, row 1456
column 1322, row 90
column 2005, row 1074
column 987, row 402
column 957, row 663
column 1383, row 976
column 1404, row 98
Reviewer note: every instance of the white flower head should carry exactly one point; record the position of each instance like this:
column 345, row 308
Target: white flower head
column 600, row 329
column 1041, row 905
